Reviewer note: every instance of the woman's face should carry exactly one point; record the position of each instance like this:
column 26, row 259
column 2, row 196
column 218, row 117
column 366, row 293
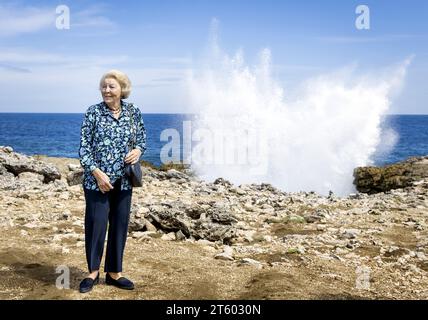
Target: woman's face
column 111, row 91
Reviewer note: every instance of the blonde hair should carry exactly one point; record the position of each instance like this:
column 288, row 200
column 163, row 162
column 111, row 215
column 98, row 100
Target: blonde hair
column 122, row 78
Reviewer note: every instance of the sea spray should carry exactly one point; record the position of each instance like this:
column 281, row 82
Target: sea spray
column 248, row 131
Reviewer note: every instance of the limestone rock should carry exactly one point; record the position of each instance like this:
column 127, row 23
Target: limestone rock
column 252, row 262
column 17, row 163
column 169, row 236
column 226, row 255
column 31, row 178
column 399, row 175
column 75, row 177
column 74, row 167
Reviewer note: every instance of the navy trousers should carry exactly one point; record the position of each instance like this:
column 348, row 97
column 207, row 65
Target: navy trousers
column 110, row 208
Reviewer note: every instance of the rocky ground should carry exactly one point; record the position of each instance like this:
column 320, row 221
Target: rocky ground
column 189, row 239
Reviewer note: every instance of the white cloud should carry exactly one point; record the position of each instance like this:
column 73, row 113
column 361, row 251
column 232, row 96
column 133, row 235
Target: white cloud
column 91, row 17
column 28, row 57
column 54, row 82
column 15, row 20
column 24, row 55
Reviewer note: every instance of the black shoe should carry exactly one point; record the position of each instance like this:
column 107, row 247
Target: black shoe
column 121, row 283
column 88, row 283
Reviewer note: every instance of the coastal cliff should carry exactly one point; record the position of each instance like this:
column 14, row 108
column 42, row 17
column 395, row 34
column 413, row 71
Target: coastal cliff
column 192, row 239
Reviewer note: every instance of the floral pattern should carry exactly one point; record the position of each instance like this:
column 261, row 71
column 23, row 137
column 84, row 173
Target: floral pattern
column 105, row 140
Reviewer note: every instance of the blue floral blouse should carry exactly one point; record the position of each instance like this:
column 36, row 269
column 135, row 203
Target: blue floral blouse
column 104, row 142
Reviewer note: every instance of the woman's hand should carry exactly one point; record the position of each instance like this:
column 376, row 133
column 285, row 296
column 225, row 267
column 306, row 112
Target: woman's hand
column 103, row 180
column 133, row 156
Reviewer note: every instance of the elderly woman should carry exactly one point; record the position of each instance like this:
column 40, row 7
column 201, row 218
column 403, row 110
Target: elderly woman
column 107, row 131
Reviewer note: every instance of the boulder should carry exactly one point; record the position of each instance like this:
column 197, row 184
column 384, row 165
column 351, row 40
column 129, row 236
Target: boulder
column 226, row 255
column 223, row 182
column 75, row 177
column 74, row 167
column 214, row 223
column 17, row 163
column 213, row 232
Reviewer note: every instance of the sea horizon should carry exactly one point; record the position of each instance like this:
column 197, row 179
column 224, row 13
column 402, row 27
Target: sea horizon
column 58, row 135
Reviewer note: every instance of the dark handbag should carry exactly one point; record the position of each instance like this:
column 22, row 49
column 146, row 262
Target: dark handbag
column 133, row 171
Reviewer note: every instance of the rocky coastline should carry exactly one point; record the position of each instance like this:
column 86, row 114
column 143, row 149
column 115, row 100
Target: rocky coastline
column 191, row 239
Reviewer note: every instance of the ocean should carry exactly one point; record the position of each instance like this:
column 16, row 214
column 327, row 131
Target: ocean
column 58, row 134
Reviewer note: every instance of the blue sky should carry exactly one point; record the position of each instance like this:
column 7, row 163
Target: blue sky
column 156, row 42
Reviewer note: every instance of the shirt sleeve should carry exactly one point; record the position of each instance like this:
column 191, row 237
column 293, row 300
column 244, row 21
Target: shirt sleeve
column 86, row 155
column 141, row 132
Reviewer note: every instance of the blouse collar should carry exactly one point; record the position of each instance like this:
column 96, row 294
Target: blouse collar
column 106, row 111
